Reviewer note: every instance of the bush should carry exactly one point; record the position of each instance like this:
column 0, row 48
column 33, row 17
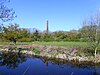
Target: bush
column 12, row 48
column 24, row 39
column 78, row 54
column 36, row 51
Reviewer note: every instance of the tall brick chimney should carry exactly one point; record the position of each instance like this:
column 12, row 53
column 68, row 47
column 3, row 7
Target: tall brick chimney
column 47, row 29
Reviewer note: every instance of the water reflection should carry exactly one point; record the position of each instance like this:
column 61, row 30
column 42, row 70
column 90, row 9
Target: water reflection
column 20, row 64
column 85, row 68
column 11, row 59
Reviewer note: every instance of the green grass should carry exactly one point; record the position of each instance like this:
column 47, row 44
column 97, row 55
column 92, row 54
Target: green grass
column 24, row 43
column 18, row 43
column 4, row 43
column 65, row 44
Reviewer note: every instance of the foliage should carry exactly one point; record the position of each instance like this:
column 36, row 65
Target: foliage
column 5, row 12
column 46, row 37
column 23, row 49
column 12, row 48
column 24, row 36
column 36, row 51
column 11, row 59
column 79, row 54
column 91, row 31
column 11, row 33
column 14, row 33
column 36, row 35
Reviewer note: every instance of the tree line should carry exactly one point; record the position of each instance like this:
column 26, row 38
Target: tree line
column 14, row 33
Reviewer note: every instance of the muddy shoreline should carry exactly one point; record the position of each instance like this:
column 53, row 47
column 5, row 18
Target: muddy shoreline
column 52, row 52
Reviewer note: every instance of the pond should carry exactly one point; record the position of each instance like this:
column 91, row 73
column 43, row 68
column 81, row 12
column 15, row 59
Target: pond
column 20, row 64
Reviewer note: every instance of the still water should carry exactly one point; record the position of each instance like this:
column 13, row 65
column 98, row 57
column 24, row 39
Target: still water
column 19, row 64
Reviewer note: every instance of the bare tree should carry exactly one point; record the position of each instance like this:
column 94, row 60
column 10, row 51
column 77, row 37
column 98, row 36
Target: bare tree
column 97, row 33
column 5, row 12
column 92, row 26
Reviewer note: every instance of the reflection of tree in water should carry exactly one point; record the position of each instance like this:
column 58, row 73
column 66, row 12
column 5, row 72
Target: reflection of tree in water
column 95, row 70
column 11, row 59
column 63, row 64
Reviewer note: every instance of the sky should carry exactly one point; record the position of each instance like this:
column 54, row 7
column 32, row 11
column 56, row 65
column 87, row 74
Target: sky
column 62, row 15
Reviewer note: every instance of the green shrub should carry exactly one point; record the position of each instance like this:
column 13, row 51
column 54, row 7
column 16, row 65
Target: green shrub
column 23, row 48
column 12, row 48
column 78, row 54
column 36, row 51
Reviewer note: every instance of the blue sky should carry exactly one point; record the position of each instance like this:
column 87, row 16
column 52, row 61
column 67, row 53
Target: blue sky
column 62, row 14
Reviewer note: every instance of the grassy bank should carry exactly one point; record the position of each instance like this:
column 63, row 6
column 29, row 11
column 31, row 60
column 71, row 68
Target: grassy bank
column 65, row 44
column 53, row 49
column 17, row 43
